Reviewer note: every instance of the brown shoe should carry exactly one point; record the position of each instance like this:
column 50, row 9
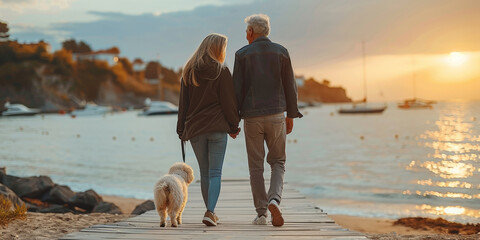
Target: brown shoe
column 209, row 219
column 277, row 219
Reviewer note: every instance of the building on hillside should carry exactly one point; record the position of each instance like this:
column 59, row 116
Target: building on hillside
column 138, row 65
column 109, row 55
column 300, row 80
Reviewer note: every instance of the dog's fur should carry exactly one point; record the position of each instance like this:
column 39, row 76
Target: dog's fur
column 171, row 193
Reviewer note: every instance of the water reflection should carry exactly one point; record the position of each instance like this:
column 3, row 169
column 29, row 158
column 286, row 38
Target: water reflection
column 452, row 164
column 449, row 210
column 450, row 184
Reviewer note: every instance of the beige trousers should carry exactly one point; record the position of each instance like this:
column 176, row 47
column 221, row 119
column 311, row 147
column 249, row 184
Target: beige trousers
column 271, row 130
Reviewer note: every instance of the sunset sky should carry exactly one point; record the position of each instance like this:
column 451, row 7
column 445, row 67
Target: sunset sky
column 437, row 41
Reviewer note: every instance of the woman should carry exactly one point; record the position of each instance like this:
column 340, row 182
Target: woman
column 207, row 112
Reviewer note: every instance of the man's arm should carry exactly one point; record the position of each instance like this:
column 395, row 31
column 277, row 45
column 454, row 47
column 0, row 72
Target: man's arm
column 290, row 89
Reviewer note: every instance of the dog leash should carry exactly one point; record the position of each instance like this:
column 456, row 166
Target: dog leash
column 183, row 149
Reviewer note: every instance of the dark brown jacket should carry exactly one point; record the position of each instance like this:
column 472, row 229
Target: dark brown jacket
column 210, row 107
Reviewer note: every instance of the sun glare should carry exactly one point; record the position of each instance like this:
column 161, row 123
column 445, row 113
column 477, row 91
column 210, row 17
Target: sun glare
column 457, row 59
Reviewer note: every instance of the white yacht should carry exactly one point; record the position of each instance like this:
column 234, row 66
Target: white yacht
column 18, row 110
column 91, row 109
column 158, row 108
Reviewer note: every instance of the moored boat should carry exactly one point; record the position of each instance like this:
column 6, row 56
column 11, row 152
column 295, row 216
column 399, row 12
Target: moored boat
column 18, row 110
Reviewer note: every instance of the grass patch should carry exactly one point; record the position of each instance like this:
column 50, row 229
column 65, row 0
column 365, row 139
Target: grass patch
column 7, row 214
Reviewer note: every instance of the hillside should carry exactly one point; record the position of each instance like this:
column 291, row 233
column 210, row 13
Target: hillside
column 313, row 91
column 31, row 75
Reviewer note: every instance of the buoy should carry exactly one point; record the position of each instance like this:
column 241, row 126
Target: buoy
column 474, row 118
column 396, row 136
column 151, row 139
column 21, row 128
column 133, row 139
column 78, row 135
column 362, row 137
column 114, row 138
column 294, row 140
column 331, row 113
column 73, row 116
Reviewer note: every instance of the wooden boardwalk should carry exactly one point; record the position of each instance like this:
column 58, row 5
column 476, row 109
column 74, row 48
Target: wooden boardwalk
column 303, row 220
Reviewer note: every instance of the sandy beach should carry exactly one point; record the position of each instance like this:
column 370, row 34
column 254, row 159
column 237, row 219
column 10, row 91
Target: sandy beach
column 53, row 226
column 380, row 228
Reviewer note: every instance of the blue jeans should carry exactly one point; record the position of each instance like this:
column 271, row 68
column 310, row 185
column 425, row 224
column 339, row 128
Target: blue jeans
column 210, row 149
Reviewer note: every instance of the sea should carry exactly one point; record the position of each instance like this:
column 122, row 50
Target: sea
column 400, row 163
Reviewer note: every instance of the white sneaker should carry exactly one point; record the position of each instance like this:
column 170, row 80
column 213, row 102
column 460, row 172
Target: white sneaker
column 277, row 219
column 260, row 220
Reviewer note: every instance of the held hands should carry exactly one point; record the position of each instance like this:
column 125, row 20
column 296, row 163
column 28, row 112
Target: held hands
column 234, row 135
column 289, row 122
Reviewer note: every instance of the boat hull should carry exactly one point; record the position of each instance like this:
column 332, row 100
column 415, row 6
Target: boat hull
column 157, row 113
column 5, row 114
column 362, row 110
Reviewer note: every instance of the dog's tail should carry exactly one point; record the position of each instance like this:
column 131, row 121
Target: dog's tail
column 164, row 186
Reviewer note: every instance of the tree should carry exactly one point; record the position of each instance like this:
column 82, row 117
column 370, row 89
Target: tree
column 75, row 47
column 83, row 47
column 70, row 45
column 4, row 31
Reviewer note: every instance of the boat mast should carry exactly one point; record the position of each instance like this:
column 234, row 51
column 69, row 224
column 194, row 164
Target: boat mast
column 364, row 73
column 414, row 79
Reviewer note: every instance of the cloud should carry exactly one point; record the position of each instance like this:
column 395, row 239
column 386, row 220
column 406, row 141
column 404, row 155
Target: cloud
column 320, row 35
column 314, row 31
column 41, row 5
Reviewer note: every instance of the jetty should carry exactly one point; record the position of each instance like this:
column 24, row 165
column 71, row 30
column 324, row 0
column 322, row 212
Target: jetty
column 303, row 220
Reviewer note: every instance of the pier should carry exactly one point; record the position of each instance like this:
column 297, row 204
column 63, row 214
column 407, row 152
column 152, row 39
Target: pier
column 303, row 220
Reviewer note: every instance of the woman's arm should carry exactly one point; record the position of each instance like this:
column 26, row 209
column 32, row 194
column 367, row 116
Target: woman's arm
column 182, row 109
column 228, row 100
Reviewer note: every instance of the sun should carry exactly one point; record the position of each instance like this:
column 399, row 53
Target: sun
column 456, row 59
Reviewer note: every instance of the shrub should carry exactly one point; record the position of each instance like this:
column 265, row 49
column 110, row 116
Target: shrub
column 7, row 214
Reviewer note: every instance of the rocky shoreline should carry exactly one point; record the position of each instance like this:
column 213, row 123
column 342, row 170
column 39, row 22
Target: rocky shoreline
column 40, row 194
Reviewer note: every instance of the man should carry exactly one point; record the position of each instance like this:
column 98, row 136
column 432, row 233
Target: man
column 265, row 88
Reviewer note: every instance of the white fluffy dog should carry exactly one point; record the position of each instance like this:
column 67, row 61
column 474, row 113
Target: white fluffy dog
column 171, row 193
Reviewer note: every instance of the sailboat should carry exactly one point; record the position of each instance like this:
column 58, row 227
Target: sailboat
column 415, row 103
column 361, row 106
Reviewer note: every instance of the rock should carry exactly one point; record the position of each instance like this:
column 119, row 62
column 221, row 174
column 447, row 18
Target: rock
column 32, row 207
column 55, row 208
column 58, row 194
column 143, row 207
column 86, row 200
column 32, row 187
column 10, row 195
column 3, row 171
column 106, row 207
column 8, row 180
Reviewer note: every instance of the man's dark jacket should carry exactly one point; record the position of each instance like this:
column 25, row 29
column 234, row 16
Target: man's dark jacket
column 264, row 81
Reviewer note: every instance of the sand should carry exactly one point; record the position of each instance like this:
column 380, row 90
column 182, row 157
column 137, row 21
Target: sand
column 53, row 226
column 379, row 228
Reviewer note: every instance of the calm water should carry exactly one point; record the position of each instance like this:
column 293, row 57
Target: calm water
column 399, row 163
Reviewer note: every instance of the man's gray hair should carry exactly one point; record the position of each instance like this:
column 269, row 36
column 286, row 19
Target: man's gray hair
column 260, row 23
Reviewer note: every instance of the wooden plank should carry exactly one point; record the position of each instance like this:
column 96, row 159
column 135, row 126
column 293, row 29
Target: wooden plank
column 303, row 220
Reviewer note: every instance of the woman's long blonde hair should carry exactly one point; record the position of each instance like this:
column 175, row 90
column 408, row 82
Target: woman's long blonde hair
column 215, row 46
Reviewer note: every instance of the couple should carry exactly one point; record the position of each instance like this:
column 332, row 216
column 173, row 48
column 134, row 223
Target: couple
column 212, row 102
